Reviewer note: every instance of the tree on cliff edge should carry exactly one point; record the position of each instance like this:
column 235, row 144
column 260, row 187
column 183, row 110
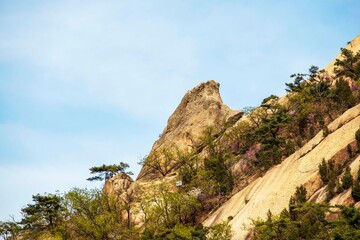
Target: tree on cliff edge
column 108, row 171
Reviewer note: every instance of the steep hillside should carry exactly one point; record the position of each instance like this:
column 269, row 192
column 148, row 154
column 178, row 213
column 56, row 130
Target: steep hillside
column 234, row 168
column 287, row 169
column 200, row 108
column 353, row 45
column 274, row 189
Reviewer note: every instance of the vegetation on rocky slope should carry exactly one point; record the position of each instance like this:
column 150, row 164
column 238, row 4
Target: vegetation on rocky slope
column 310, row 221
column 269, row 134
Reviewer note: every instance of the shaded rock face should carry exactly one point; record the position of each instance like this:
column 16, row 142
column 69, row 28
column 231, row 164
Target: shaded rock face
column 200, row 108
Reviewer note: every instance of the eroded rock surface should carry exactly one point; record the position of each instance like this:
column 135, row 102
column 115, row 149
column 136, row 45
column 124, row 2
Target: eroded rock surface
column 200, row 108
column 118, row 184
column 273, row 190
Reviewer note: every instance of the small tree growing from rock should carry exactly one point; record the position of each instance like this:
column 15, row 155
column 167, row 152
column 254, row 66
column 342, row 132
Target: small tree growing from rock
column 108, row 171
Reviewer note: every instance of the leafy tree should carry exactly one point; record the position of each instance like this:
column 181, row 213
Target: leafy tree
column 221, row 231
column 93, row 215
column 163, row 160
column 180, row 231
column 166, row 211
column 9, row 230
column 108, row 171
column 46, row 212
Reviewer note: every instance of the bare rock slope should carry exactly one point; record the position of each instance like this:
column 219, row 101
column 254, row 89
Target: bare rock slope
column 274, row 189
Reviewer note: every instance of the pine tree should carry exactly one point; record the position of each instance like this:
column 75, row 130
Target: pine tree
column 348, row 66
column 331, row 186
column 324, row 173
column 108, row 171
column 357, row 137
column 355, row 189
column 300, row 194
column 347, row 179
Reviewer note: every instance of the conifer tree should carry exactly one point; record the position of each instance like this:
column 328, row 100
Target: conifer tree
column 108, row 171
column 324, row 172
column 355, row 189
column 346, row 180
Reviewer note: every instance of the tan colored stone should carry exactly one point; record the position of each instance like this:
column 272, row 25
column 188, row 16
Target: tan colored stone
column 118, row 184
column 275, row 188
column 354, row 46
column 200, row 108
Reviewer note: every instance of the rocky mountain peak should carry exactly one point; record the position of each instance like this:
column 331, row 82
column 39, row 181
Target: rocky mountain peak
column 200, row 108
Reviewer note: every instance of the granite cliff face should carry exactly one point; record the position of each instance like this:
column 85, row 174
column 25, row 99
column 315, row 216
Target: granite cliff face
column 273, row 190
column 200, row 108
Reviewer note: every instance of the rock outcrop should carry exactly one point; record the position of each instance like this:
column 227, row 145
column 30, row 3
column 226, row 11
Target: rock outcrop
column 200, row 108
column 273, row 190
column 118, row 184
column 353, row 45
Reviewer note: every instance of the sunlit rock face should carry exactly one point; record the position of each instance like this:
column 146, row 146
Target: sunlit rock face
column 353, row 45
column 200, row 108
column 273, row 190
column 118, row 184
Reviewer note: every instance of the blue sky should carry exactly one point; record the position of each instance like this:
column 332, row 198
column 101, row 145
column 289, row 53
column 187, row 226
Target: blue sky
column 84, row 83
